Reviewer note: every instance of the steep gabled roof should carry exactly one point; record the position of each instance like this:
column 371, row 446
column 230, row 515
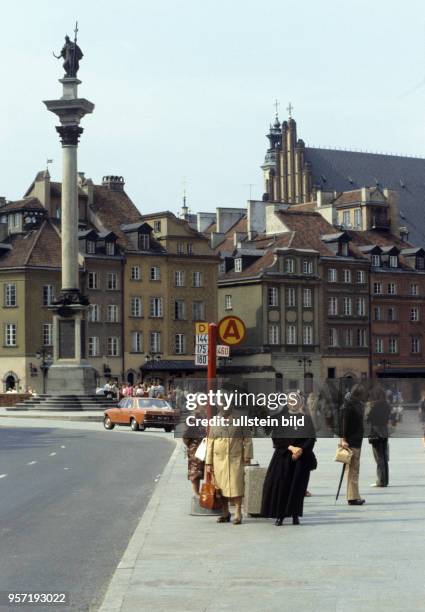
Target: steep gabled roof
column 30, row 203
column 40, row 247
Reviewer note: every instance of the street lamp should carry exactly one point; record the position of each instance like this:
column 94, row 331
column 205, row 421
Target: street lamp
column 46, row 361
column 306, row 363
column 154, row 358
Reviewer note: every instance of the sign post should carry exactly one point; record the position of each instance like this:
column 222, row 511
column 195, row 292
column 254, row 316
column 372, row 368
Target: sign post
column 212, row 359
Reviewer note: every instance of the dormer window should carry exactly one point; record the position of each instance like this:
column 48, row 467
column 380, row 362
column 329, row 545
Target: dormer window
column 157, row 226
column 110, row 248
column 420, row 263
column 144, row 242
column 376, row 261
column 289, row 265
column 307, row 267
column 344, row 249
column 91, row 247
column 393, row 261
column 238, row 264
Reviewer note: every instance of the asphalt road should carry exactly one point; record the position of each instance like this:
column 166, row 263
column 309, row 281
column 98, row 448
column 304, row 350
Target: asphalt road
column 69, row 503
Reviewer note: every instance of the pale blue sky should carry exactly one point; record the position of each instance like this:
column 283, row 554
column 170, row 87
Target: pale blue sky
column 187, row 88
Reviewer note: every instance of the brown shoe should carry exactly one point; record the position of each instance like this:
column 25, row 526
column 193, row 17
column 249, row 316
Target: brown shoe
column 237, row 521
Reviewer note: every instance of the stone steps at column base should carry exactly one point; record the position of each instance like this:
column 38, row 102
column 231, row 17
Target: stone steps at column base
column 65, row 403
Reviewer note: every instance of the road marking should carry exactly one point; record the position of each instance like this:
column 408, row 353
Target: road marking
column 66, row 468
column 52, row 454
column 63, row 446
column 31, row 462
column 3, row 475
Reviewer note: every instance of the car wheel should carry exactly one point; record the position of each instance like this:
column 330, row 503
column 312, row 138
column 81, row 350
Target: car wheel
column 107, row 423
column 142, row 427
column 169, row 428
column 134, row 425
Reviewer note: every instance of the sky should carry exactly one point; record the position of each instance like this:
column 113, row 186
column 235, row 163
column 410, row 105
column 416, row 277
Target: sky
column 184, row 90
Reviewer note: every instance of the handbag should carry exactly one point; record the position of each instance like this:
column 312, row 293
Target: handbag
column 209, row 496
column 343, row 455
column 201, row 451
column 311, row 462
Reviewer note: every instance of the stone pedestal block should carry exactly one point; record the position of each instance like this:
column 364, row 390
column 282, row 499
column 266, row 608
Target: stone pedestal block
column 69, row 379
column 254, row 480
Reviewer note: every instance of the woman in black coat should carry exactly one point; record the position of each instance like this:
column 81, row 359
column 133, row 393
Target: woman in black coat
column 288, row 474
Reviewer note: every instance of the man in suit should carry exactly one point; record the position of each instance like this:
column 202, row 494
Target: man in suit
column 378, row 418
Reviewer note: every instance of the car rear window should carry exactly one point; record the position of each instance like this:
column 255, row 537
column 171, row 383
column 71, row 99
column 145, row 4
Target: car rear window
column 125, row 403
column 154, row 403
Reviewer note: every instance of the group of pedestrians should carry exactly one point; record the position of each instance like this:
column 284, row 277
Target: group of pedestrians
column 365, row 411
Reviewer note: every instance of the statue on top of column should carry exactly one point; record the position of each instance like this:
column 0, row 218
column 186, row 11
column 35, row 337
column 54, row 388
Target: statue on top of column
column 71, row 53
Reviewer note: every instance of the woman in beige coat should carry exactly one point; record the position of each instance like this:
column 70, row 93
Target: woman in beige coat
column 229, row 449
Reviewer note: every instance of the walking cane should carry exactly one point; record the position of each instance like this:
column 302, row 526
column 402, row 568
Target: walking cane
column 340, row 482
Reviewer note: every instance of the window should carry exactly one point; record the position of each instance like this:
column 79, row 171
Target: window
column 47, row 334
column 274, row 334
column 179, row 310
column 392, row 289
column 414, row 314
column 415, row 345
column 196, row 279
column 348, row 337
column 361, row 277
column 347, row 305
column 393, row 345
column 238, row 264
column 113, row 346
column 272, row 297
column 93, row 313
column 333, row 336
column 307, row 334
column 144, row 242
column 361, row 306
column 157, row 225
column 379, row 345
column 136, row 342
column 180, row 248
column 376, row 261
column 136, row 306
column 112, row 282
column 414, row 289
column 346, row 276
column 420, row 263
column 112, row 313
column 290, row 297
column 392, row 314
column 307, row 298
column 377, row 288
column 307, row 267
column 94, row 346
column 10, row 295
column 91, row 247
column 346, row 218
column 189, row 248
column 155, row 342
column 179, row 278
column 47, row 295
column 155, row 273
column 93, row 280
column 110, row 248
column 291, row 334
column 227, row 302
column 362, row 337
column 344, row 249
column 135, row 273
column 289, row 265
column 180, row 344
column 357, row 219
column 10, row 334
column 377, row 313
column 156, row 309
column 332, row 275
column 198, row 310
column 393, row 261
column 222, row 267
column 333, row 306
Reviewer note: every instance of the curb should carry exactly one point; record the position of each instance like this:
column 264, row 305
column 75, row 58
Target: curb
column 54, row 417
column 120, row 581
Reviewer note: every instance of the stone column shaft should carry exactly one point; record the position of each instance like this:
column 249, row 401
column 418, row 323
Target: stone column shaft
column 69, row 218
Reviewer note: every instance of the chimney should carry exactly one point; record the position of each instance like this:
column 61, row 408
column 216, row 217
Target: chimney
column 114, row 183
column 404, row 234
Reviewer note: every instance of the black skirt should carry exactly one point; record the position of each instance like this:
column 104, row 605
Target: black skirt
column 285, row 485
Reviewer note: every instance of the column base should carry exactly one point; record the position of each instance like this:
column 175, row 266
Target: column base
column 71, row 379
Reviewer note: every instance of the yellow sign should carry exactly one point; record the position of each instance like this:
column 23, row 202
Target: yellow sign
column 201, row 328
column 231, row 330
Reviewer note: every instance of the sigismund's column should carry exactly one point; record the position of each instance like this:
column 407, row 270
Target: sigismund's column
column 70, row 374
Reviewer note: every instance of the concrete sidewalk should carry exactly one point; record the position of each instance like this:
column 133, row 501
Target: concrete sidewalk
column 62, row 415
column 340, row 558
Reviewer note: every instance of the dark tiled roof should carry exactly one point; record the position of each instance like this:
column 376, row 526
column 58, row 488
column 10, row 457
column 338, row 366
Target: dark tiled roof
column 40, row 247
column 115, row 208
column 364, row 169
column 24, row 204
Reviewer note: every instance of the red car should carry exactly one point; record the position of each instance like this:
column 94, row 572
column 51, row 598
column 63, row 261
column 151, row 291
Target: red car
column 141, row 412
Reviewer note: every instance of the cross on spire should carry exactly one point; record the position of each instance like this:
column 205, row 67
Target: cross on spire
column 290, row 108
column 276, row 105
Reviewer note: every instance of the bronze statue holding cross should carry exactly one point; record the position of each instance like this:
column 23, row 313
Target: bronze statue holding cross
column 72, row 54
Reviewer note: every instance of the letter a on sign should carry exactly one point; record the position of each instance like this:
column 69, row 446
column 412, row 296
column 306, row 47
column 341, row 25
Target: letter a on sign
column 231, row 330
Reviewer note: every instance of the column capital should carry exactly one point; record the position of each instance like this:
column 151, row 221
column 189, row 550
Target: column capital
column 69, row 134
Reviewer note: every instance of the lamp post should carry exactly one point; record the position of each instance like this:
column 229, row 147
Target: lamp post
column 46, row 361
column 306, row 363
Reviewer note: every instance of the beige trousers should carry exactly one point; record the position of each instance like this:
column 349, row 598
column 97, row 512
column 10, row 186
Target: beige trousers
column 352, row 471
